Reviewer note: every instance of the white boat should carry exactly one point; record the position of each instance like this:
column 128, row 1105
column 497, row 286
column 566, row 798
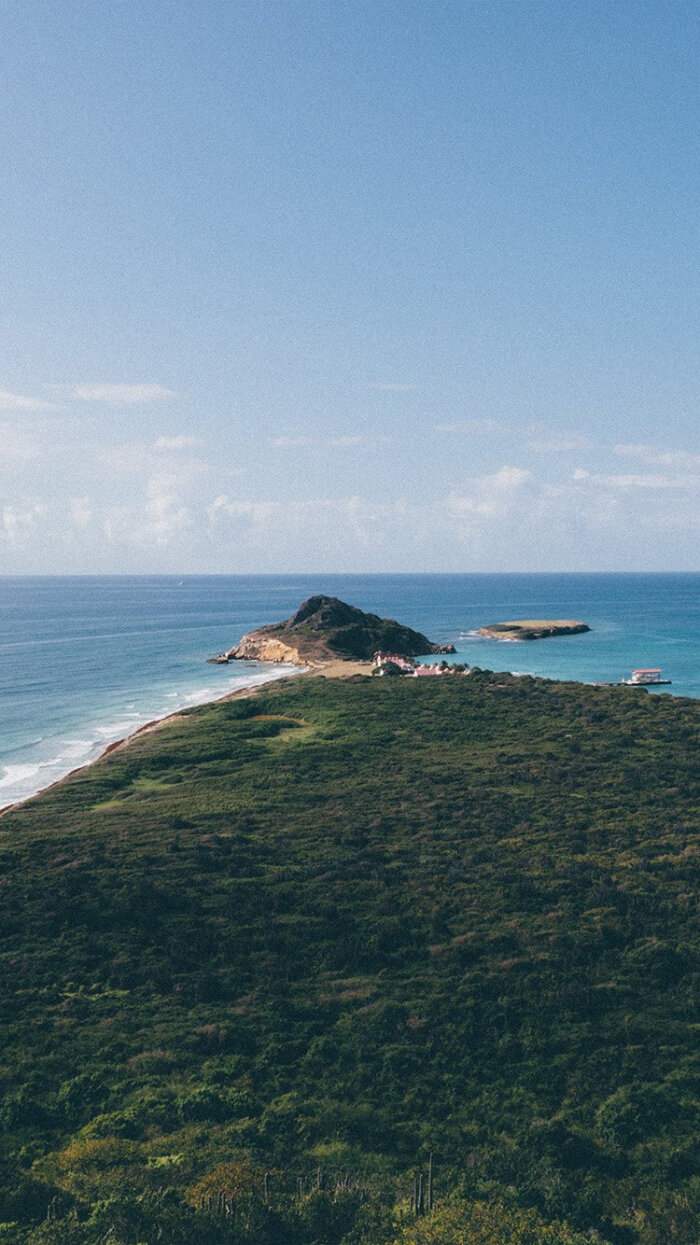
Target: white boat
column 645, row 678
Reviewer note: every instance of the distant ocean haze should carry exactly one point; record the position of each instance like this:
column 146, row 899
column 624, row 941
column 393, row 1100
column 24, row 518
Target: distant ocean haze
column 85, row 661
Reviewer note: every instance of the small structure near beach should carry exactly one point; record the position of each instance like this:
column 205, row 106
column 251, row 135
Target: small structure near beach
column 383, row 663
column 398, row 664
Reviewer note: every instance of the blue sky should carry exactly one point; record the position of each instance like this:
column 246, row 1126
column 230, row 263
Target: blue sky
column 348, row 287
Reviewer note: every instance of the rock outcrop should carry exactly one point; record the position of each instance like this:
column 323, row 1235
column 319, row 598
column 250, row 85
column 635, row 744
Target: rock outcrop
column 326, row 629
column 532, row 629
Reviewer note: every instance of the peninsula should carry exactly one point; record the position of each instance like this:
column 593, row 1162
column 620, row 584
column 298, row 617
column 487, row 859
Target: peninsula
column 326, row 629
column 532, row 629
column 263, row 962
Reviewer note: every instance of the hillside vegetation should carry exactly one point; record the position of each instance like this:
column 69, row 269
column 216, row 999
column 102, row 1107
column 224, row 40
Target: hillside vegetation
column 259, row 966
column 324, row 628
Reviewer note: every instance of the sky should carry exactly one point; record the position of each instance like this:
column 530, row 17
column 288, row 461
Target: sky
column 361, row 286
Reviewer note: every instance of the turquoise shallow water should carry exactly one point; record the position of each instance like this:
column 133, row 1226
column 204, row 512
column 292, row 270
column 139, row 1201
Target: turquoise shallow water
column 85, row 661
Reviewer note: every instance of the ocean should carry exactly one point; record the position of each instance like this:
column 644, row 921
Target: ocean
column 84, row 661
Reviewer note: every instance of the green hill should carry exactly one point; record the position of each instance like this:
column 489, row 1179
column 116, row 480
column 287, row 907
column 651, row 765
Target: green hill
column 324, row 629
column 259, row 965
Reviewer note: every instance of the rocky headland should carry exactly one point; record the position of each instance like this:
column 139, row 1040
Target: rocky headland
column 326, row 629
column 533, row 629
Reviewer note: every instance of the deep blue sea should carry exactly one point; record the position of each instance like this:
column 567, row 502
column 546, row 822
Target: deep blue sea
column 86, row 660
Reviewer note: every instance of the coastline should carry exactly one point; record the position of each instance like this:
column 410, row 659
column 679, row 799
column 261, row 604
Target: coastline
column 88, row 662
column 331, row 669
column 230, row 873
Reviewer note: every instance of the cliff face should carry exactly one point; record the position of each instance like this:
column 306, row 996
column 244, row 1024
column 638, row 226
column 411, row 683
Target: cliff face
column 325, row 629
column 255, row 647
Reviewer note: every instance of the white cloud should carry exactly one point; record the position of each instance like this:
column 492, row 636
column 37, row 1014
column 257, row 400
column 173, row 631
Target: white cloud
column 260, row 522
column 159, row 517
column 336, row 522
column 119, row 526
column 653, row 454
column 624, row 508
column 253, row 511
column 507, row 478
column 20, row 402
column 470, row 425
column 631, row 481
column 181, row 442
column 499, row 519
column 489, row 496
column 17, row 521
column 118, row 395
column 80, row 511
column 165, row 515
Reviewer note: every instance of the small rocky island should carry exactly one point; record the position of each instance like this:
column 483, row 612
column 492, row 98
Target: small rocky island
column 532, row 629
column 326, row 629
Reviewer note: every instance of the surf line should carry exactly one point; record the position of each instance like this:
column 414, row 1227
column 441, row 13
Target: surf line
column 240, row 692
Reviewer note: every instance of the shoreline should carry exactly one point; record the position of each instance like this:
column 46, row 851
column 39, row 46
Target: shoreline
column 327, row 669
column 332, row 669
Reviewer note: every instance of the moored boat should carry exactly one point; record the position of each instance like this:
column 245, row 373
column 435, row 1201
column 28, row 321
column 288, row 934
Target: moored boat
column 645, row 678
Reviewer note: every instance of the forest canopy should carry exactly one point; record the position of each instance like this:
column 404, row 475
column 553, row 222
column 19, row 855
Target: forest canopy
column 359, row 961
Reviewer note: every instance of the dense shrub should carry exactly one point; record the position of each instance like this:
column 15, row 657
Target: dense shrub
column 326, row 931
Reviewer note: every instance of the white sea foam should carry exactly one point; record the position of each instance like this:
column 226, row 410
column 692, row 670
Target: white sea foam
column 17, row 775
column 72, row 750
column 107, row 732
column 19, row 781
column 77, row 744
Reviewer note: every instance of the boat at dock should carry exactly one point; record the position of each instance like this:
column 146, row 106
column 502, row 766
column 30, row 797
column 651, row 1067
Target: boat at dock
column 645, row 678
